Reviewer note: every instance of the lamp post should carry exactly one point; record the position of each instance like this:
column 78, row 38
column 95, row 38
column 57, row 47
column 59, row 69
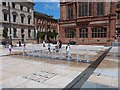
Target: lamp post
column 10, row 37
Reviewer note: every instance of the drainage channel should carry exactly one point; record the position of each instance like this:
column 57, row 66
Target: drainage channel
column 82, row 78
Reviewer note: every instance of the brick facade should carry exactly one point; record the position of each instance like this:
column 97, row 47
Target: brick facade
column 107, row 20
column 44, row 23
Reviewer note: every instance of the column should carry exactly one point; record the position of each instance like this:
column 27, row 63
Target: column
column 77, row 35
column 89, row 35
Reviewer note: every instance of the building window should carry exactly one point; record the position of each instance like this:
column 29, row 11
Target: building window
column 28, row 20
column 118, row 15
column 118, row 4
column 5, row 16
column 100, row 8
column 70, row 11
column 85, row 9
column 22, row 19
column 4, row 3
column 70, row 33
column 22, row 35
column 21, row 7
column 14, row 32
column 14, row 18
column 5, row 32
column 13, row 5
column 84, row 33
column 29, row 33
column 90, row 8
column 28, row 9
column 99, row 32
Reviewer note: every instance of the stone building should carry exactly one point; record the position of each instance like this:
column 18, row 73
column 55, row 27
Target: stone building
column 22, row 20
column 44, row 24
column 88, row 22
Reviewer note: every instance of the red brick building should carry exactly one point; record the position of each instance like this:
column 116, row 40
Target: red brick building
column 118, row 21
column 88, row 22
column 44, row 23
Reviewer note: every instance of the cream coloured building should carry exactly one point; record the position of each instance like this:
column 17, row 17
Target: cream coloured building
column 22, row 21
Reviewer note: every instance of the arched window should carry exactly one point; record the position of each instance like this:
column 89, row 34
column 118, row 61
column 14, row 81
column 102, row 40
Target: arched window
column 29, row 18
column 5, row 13
column 22, row 17
column 14, row 16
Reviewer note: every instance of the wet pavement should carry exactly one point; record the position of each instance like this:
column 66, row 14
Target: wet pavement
column 29, row 72
column 106, row 75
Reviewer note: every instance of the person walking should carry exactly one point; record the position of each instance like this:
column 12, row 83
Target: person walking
column 43, row 43
column 60, row 44
column 24, row 47
column 10, row 48
column 49, row 47
column 68, row 52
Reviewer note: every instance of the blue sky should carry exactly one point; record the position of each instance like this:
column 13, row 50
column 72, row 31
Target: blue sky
column 50, row 8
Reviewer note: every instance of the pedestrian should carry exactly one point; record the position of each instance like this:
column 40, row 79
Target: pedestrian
column 68, row 52
column 49, row 47
column 19, row 43
column 24, row 48
column 10, row 48
column 60, row 44
column 43, row 43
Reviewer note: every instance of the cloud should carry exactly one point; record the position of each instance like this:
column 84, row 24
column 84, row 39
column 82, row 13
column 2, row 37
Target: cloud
column 51, row 5
column 46, row 0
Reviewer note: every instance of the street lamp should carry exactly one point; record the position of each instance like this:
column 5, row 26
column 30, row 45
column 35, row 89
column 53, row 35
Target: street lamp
column 10, row 37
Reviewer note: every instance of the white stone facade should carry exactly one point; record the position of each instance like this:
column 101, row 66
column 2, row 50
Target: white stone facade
column 26, row 12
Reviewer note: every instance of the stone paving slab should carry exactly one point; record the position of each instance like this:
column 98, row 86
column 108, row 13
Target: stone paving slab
column 106, row 75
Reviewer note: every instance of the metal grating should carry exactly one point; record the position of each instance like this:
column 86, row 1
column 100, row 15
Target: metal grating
column 41, row 76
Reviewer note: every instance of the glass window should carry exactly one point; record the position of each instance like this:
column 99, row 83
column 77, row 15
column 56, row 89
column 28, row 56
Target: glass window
column 22, row 19
column 5, row 17
column 29, row 33
column 14, row 18
column 28, row 20
column 70, row 33
column 85, row 9
column 13, row 5
column 14, row 32
column 99, row 32
column 100, row 8
column 21, row 7
column 90, row 8
column 84, row 33
column 28, row 9
column 70, row 11
column 118, row 15
column 4, row 3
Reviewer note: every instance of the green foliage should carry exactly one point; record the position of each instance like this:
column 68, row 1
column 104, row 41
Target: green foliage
column 5, row 33
column 39, row 35
column 52, row 34
column 73, row 33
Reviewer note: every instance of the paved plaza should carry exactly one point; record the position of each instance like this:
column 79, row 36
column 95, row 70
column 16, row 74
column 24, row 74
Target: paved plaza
column 20, row 71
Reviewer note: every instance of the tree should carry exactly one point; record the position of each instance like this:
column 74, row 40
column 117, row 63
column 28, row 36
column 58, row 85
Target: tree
column 73, row 33
column 39, row 35
column 5, row 33
column 52, row 34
